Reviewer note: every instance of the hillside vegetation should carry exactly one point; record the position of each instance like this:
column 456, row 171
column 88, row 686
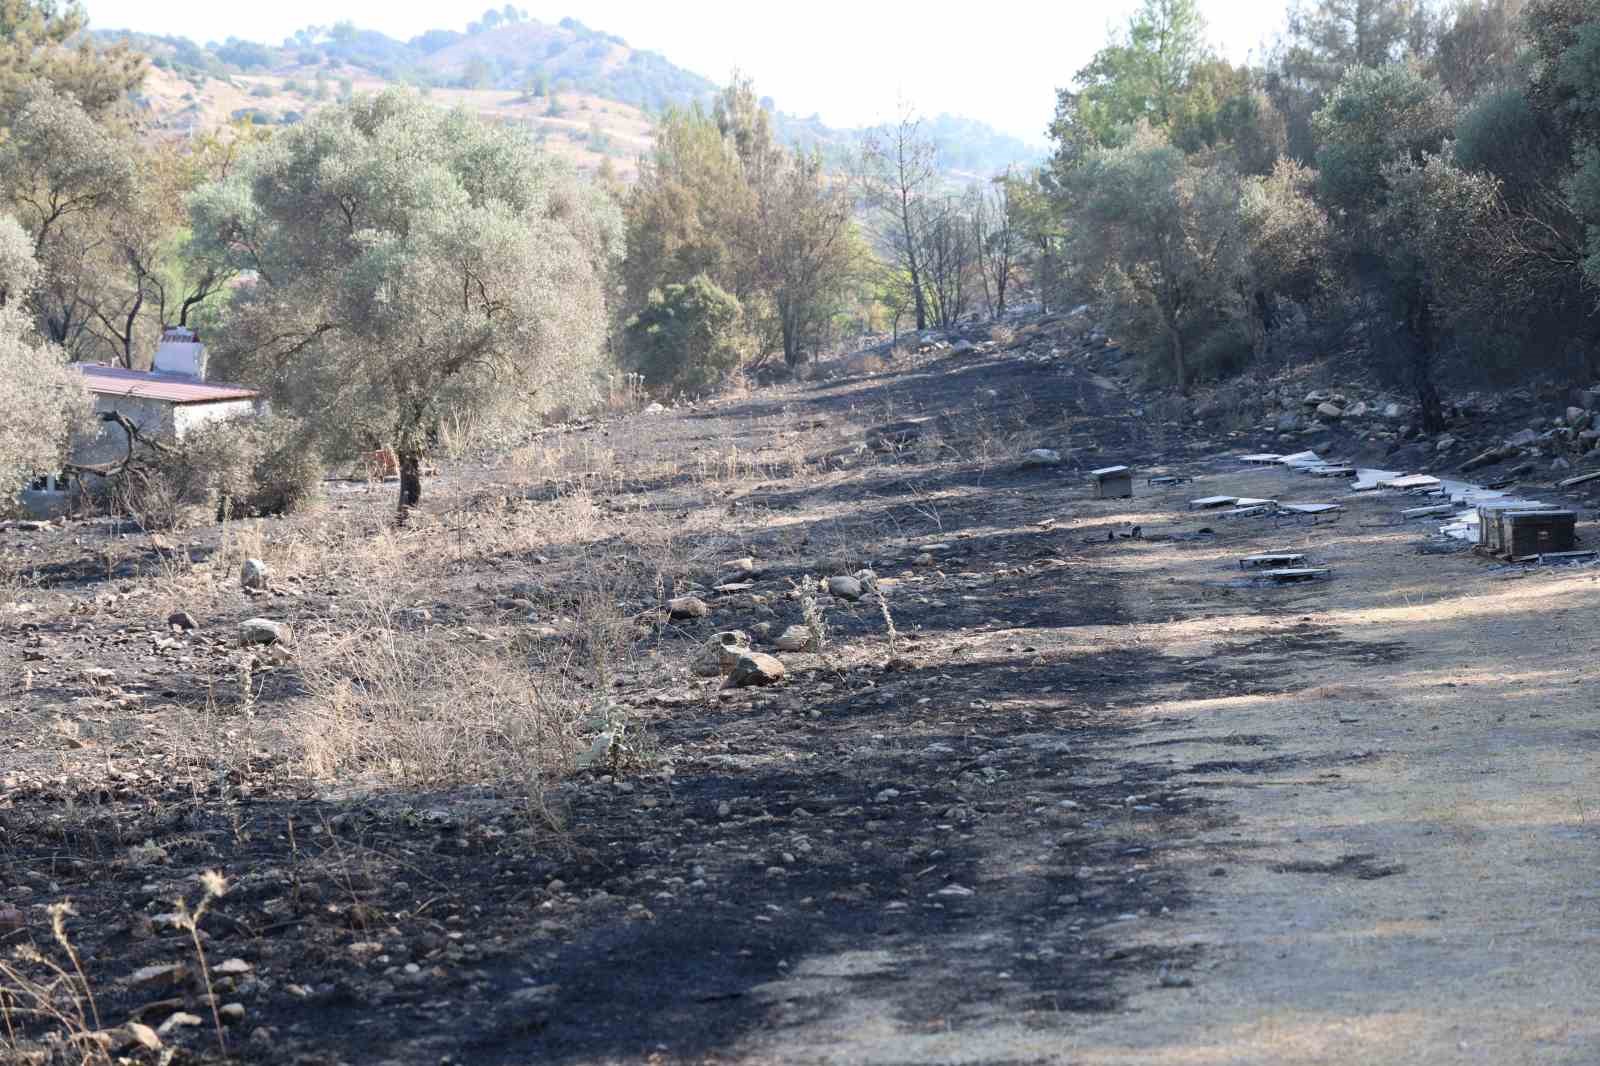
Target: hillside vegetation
column 589, row 93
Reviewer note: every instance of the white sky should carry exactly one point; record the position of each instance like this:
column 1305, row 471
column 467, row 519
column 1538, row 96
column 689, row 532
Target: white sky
column 850, row 62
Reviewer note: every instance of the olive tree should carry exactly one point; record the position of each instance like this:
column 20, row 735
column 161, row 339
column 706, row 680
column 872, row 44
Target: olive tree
column 42, row 400
column 408, row 261
column 1161, row 239
column 61, row 175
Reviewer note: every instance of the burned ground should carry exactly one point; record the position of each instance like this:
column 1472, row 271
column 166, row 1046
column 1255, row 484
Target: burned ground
column 1005, row 816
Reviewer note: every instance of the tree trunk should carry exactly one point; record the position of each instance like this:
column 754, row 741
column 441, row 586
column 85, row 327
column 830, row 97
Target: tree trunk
column 1180, row 366
column 410, row 480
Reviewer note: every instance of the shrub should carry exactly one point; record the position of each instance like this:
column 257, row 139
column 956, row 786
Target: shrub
column 234, row 467
column 687, row 337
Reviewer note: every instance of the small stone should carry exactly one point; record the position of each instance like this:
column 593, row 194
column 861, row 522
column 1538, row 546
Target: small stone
column 183, row 620
column 159, row 973
column 264, row 631
column 794, row 638
column 1445, row 443
column 232, row 968
column 955, row 891
column 844, row 588
column 254, row 574
column 687, row 607
column 721, row 653
column 231, row 1013
column 1041, row 457
column 754, row 669
column 141, row 1034
column 179, row 1020
column 1329, row 412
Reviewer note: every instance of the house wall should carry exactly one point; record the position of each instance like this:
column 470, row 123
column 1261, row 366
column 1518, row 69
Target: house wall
column 192, row 416
column 106, row 443
column 158, row 419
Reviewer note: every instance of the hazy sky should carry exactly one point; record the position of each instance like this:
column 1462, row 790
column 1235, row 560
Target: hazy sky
column 850, row 62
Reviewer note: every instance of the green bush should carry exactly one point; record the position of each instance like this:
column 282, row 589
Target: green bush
column 687, row 337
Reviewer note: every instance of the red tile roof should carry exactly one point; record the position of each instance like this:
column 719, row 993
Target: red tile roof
column 173, row 388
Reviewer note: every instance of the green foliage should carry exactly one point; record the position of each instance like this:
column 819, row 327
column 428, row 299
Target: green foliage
column 41, row 42
column 408, row 260
column 1140, row 77
column 1160, row 239
column 687, row 337
column 1376, row 115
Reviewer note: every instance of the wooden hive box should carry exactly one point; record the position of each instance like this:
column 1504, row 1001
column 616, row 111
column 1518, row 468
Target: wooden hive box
column 1529, row 533
column 1112, row 482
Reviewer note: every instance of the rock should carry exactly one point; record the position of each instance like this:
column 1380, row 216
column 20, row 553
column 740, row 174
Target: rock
column 1317, row 397
column 740, row 568
column 721, row 653
column 1560, row 464
column 794, row 638
column 1041, row 457
column 1393, row 410
column 254, row 574
column 142, row 1035
column 264, row 631
column 180, row 1020
column 1288, row 422
column 963, row 347
column 183, row 620
column 654, row 409
column 1488, row 458
column 685, row 607
column 1577, row 416
column 1522, row 439
column 232, row 968
column 1359, row 409
column 1445, row 443
column 231, row 1013
column 844, row 588
column 754, row 669
column 1329, row 412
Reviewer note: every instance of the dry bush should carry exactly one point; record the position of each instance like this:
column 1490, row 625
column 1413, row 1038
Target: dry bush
column 420, row 709
column 238, row 466
column 1003, row 336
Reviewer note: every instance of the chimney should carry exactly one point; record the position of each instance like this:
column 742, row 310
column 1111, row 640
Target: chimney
column 180, row 354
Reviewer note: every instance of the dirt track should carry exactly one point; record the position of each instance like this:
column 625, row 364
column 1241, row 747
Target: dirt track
column 1099, row 803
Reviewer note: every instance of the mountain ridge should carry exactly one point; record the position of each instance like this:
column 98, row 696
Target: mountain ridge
column 587, row 93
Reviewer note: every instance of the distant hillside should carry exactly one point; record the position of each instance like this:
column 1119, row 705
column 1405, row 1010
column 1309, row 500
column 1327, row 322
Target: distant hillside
column 587, row 93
